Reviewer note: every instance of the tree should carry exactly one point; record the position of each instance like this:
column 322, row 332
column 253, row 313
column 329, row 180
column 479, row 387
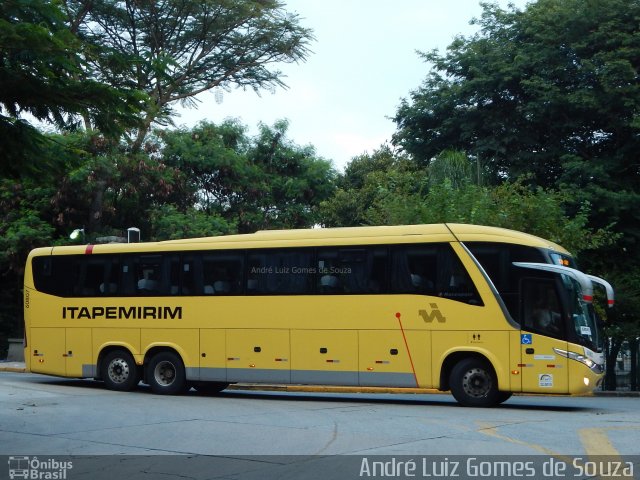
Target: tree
column 176, row 49
column 254, row 183
column 552, row 91
column 368, row 183
column 394, row 191
column 43, row 69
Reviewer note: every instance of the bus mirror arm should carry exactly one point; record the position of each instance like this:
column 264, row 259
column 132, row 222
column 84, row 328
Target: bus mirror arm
column 585, row 282
column 607, row 286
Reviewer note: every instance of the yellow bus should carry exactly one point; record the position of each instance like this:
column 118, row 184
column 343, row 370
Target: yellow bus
column 480, row 311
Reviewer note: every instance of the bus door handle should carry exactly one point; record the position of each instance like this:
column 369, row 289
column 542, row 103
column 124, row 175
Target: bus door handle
column 530, row 351
column 69, row 354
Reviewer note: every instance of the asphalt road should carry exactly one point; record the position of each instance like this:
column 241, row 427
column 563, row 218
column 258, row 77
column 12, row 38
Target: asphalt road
column 47, row 415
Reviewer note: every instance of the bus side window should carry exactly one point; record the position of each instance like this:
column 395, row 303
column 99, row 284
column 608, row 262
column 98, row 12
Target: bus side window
column 175, row 287
column 329, row 272
column 221, row 273
column 57, row 275
column 111, row 285
column 432, row 269
column 148, row 270
column 454, row 281
column 279, row 272
column 414, row 269
column 127, row 283
column 541, row 307
column 358, row 270
column 92, row 277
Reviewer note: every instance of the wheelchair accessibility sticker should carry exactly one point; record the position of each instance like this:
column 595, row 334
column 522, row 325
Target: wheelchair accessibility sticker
column 526, row 338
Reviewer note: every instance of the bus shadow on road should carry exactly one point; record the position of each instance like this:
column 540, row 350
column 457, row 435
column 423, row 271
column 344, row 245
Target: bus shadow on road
column 434, row 400
column 519, row 402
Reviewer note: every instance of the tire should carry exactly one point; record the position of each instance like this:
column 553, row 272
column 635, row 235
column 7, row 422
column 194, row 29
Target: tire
column 210, row 388
column 474, row 384
column 504, row 396
column 166, row 374
column 119, row 371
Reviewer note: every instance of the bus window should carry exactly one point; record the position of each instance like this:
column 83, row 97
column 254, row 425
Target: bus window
column 111, row 283
column 91, row 281
column 279, row 272
column 148, row 273
column 414, row 269
column 431, row 270
column 541, row 307
column 358, row 270
column 181, row 275
column 56, row 275
column 221, row 273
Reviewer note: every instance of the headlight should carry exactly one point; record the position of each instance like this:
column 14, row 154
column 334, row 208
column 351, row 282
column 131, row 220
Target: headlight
column 580, row 358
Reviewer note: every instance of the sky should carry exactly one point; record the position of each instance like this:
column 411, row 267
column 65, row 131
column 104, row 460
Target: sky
column 363, row 63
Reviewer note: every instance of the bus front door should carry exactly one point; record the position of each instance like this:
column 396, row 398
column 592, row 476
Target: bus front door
column 543, row 369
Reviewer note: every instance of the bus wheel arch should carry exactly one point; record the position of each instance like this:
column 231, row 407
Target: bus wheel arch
column 164, row 371
column 117, row 369
column 472, row 379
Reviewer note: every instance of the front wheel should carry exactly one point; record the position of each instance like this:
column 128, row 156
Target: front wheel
column 119, row 371
column 474, row 384
column 166, row 374
column 504, row 396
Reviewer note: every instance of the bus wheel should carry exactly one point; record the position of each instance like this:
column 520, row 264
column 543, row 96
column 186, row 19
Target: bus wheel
column 210, row 388
column 473, row 383
column 504, row 396
column 166, row 375
column 119, row 371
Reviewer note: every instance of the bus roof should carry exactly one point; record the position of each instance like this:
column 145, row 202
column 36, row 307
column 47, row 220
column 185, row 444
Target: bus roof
column 442, row 232
column 479, row 233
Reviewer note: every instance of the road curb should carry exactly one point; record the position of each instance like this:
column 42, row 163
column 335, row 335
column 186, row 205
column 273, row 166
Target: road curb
column 14, row 367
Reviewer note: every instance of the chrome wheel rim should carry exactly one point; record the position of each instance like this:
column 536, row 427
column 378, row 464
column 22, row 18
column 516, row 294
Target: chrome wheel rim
column 164, row 373
column 477, row 383
column 118, row 370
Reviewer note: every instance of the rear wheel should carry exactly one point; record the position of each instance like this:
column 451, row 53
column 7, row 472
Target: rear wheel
column 473, row 383
column 166, row 374
column 119, row 371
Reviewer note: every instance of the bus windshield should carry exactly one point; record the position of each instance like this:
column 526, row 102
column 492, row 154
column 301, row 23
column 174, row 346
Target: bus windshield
column 583, row 322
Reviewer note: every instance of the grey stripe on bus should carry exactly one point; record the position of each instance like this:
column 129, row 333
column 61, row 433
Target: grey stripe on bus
column 311, row 377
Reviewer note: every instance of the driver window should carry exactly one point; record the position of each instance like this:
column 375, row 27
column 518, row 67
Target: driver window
column 541, row 307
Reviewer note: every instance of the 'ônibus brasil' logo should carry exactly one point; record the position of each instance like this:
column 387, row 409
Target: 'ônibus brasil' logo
column 34, row 469
column 435, row 314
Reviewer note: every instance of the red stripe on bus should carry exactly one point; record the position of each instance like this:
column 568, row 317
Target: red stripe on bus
column 398, row 315
column 89, row 250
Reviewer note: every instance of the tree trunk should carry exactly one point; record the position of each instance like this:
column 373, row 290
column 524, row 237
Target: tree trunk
column 97, row 204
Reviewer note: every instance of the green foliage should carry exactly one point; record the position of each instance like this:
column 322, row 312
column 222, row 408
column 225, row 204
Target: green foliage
column 392, row 191
column 552, row 91
column 451, row 165
column 261, row 183
column 43, row 68
column 369, row 181
column 177, row 49
column 168, row 223
column 21, row 226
